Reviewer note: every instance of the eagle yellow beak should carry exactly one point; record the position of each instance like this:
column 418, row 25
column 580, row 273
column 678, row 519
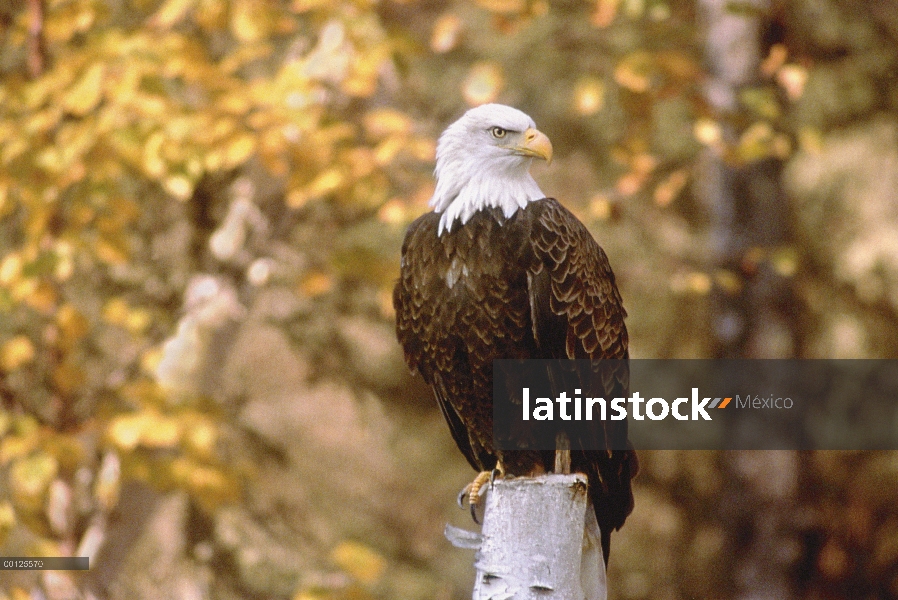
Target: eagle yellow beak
column 536, row 144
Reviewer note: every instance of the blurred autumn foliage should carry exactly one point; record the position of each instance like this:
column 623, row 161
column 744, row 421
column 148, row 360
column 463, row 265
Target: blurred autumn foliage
column 201, row 207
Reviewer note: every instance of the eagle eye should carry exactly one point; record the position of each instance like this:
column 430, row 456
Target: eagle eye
column 498, row 132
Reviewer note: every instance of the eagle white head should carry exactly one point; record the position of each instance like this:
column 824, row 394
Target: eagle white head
column 483, row 160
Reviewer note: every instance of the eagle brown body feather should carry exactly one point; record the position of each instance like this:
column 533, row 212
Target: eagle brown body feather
column 535, row 285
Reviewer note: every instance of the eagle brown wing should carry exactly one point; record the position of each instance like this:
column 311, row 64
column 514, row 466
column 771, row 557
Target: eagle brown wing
column 436, row 325
column 533, row 285
column 577, row 313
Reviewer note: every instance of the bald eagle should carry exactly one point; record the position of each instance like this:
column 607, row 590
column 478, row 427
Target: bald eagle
column 500, row 271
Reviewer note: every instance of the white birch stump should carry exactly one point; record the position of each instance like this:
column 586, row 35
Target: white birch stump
column 540, row 540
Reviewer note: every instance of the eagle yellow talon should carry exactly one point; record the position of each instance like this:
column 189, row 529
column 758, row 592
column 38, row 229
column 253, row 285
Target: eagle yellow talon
column 475, row 486
column 473, row 490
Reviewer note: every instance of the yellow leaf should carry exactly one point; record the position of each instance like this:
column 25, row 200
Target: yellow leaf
column 756, row 142
column 589, row 96
column 238, row 150
column 43, row 121
column 387, row 150
column 483, row 83
column 10, row 268
column 171, row 12
column 42, row 298
column 23, row 288
column 14, row 148
column 644, row 163
column 503, row 6
column 316, row 284
column 26, row 426
column 708, row 132
column 16, row 353
column 668, row 190
column 728, row 281
column 209, row 484
column 393, row 212
column 762, row 101
column 148, row 428
column 148, row 105
column 297, row 198
column 326, row 182
column 634, row 72
column 362, row 80
column 775, row 59
column 382, row 122
column 605, row 12
column 50, row 159
column 160, row 431
column 125, row 210
column 781, row 146
column 66, row 19
column 84, row 96
column 785, row 261
column 72, row 324
column 15, row 446
column 68, row 449
column 312, row 594
column 211, row 15
column 693, row 282
column 65, row 263
column 124, row 431
column 423, row 149
column 7, row 520
column 301, row 6
column 201, row 439
column 223, row 127
column 329, row 59
column 360, row 561
column 213, row 160
column 385, row 303
column 248, row 23
column 792, row 78
column 29, row 479
column 150, row 360
column 360, row 161
column 230, row 64
column 446, row 33
column 630, row 183
column 600, row 207
column 116, row 311
column 111, row 252
column 810, row 140
column 138, row 320
column 68, row 377
column 178, row 186
column 152, row 157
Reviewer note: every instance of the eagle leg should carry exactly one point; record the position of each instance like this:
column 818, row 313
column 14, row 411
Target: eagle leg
column 562, row 453
column 473, row 490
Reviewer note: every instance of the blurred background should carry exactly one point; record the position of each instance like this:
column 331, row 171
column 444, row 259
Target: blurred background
column 201, row 209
